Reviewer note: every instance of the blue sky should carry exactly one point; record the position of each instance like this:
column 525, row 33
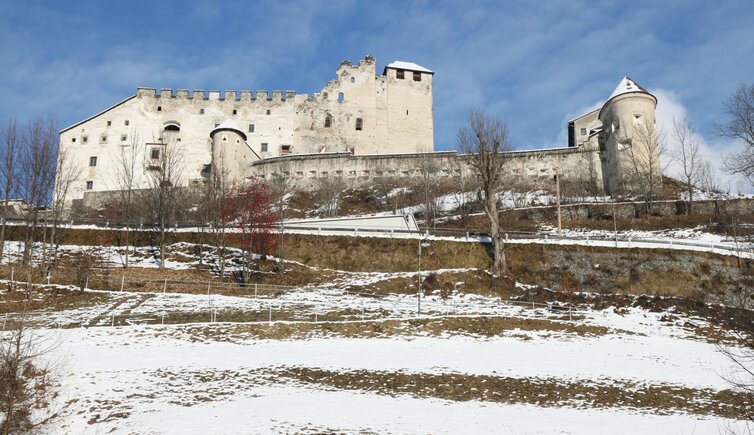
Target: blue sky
column 535, row 64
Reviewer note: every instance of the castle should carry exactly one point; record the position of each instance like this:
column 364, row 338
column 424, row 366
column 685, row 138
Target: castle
column 360, row 126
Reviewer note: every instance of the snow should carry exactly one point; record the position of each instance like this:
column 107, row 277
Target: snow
column 626, row 86
column 398, row 64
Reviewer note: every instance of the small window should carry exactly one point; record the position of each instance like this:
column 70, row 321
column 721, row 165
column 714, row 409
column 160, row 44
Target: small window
column 172, row 127
column 583, row 131
column 123, row 137
column 417, row 76
column 285, row 149
column 400, row 74
column 109, row 123
column 268, row 111
column 328, row 121
column 73, row 139
column 93, row 161
column 103, row 138
column 341, row 97
column 353, row 79
column 251, row 128
column 264, row 147
column 154, row 154
column 126, row 122
column 359, row 124
column 89, row 185
column 225, row 138
column 159, row 108
column 217, row 125
column 235, row 112
column 84, row 139
column 201, row 111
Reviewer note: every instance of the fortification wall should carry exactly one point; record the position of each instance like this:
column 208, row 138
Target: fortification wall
column 530, row 168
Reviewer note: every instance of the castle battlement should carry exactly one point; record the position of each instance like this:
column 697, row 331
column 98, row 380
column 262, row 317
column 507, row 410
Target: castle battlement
column 216, row 95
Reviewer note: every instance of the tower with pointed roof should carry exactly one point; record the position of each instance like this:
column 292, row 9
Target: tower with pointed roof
column 627, row 118
column 231, row 153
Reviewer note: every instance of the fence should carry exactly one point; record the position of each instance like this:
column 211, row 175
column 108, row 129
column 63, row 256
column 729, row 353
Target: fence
column 274, row 304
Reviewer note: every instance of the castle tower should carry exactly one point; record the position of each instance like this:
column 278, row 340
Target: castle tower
column 628, row 123
column 231, row 153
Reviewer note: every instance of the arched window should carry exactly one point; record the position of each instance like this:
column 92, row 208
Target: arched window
column 359, row 124
column 328, row 121
column 172, row 127
column 341, row 97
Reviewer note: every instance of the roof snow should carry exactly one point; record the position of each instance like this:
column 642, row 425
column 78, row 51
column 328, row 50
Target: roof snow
column 626, row 86
column 228, row 124
column 398, row 64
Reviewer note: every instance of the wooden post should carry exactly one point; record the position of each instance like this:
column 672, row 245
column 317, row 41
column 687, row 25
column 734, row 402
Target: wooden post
column 122, row 282
column 557, row 195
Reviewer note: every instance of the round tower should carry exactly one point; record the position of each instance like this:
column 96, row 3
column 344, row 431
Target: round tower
column 628, row 123
column 230, row 153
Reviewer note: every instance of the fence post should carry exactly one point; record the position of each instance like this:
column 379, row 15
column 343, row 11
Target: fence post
column 270, row 318
column 569, row 313
column 48, row 279
column 86, row 284
column 209, row 300
column 122, row 282
column 255, row 290
column 112, row 320
column 315, row 316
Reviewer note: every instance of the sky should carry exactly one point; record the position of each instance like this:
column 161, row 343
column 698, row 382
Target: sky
column 534, row 64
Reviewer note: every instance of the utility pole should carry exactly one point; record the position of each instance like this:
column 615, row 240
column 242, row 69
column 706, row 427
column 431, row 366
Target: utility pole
column 557, row 195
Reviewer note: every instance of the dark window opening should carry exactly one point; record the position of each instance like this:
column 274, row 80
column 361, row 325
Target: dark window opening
column 172, row 127
column 400, row 74
column 89, row 185
column 235, row 111
column 84, row 139
column 109, row 123
column 201, row 111
column 251, row 128
column 359, row 124
column 268, row 111
column 328, row 121
column 126, row 122
column 341, row 97
column 353, row 79
column 123, row 137
column 285, row 149
column 417, row 76
column 73, row 139
column 93, row 161
column 154, row 154
column 159, row 108
column 264, row 147
column 583, row 131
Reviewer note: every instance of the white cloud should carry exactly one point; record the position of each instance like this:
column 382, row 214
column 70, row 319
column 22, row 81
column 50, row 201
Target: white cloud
column 670, row 109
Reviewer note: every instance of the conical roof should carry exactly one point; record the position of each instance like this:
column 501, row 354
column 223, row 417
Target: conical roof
column 627, row 86
column 228, row 124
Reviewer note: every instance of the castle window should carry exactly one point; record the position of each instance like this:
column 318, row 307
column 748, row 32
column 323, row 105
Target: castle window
column 251, row 128
column 341, row 97
column 217, row 125
column 285, row 149
column 154, row 154
column 264, row 147
column 172, row 127
column 417, row 76
column 353, row 79
column 159, row 108
column 89, row 185
column 328, row 121
column 225, row 138
column 73, row 139
column 201, row 111
column 109, row 123
column 103, row 138
column 123, row 137
column 93, row 161
column 235, row 111
column 583, row 131
column 359, row 124
column 268, row 111
column 125, row 122
column 400, row 74
column 84, row 139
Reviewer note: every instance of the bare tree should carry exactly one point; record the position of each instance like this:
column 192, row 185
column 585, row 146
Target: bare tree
column 484, row 141
column 163, row 198
column 427, row 184
column 27, row 382
column 37, row 177
column 463, row 187
column 740, row 126
column 281, row 186
column 126, row 166
column 687, row 153
column 328, row 192
column 9, row 150
column 67, row 173
column 644, row 151
column 217, row 190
